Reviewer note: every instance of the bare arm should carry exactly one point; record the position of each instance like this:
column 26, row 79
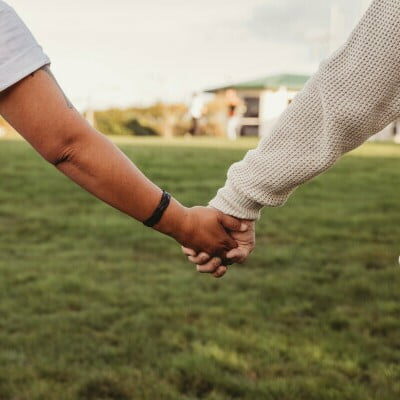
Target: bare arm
column 37, row 108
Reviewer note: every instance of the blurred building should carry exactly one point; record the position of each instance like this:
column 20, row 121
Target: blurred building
column 264, row 100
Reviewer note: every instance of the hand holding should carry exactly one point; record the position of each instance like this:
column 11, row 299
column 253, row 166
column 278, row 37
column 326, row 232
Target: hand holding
column 245, row 240
column 206, row 230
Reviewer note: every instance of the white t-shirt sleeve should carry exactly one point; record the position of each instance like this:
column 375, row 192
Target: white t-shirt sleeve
column 20, row 54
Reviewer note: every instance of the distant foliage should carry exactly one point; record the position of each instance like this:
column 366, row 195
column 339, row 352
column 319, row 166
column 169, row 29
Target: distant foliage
column 160, row 119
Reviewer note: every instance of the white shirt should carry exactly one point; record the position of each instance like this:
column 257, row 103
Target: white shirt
column 196, row 107
column 20, row 54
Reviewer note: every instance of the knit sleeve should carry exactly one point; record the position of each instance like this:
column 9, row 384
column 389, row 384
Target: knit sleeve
column 354, row 94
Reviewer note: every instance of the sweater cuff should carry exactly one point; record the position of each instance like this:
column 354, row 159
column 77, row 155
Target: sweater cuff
column 231, row 202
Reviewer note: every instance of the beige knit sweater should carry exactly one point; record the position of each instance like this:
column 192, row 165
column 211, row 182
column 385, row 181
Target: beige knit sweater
column 354, row 94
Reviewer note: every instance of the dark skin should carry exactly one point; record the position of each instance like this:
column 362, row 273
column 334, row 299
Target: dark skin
column 38, row 109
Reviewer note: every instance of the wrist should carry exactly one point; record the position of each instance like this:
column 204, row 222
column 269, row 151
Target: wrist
column 174, row 221
column 231, row 202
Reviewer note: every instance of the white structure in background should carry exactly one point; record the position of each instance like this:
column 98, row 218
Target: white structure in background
column 264, row 101
column 196, row 110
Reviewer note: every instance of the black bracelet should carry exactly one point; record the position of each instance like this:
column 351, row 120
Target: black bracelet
column 159, row 211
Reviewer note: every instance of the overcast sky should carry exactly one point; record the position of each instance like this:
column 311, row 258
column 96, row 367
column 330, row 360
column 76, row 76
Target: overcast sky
column 125, row 52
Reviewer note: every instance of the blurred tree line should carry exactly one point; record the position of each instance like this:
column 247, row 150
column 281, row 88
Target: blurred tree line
column 160, row 119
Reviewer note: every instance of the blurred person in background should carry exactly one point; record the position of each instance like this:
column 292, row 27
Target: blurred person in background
column 196, row 112
column 34, row 104
column 234, row 114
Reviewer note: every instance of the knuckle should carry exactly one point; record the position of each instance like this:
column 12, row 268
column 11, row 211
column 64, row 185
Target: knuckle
column 211, row 269
column 215, row 263
column 203, row 258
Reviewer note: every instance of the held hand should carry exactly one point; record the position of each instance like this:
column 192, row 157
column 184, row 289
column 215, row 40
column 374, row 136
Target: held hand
column 213, row 265
column 205, row 230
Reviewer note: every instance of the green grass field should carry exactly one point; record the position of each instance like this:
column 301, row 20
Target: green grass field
column 93, row 306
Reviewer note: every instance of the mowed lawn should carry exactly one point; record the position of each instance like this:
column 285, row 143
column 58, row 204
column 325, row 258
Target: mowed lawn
column 93, row 306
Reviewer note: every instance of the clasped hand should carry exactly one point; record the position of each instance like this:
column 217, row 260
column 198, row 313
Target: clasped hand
column 237, row 237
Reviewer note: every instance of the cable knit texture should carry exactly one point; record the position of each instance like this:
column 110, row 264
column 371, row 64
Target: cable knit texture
column 354, row 94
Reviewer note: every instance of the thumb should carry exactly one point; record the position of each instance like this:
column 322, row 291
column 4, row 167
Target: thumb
column 232, row 224
column 237, row 255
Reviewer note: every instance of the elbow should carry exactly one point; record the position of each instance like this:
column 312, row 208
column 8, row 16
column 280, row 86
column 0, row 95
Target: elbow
column 62, row 158
column 348, row 129
column 62, row 149
column 349, row 121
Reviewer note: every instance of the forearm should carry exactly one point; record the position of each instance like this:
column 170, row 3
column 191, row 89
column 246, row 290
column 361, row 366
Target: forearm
column 102, row 169
column 37, row 108
column 354, row 95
